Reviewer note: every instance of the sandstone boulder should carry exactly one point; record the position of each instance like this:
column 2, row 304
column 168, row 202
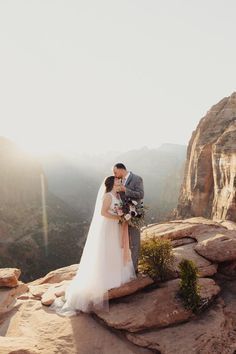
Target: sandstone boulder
column 203, row 232
column 182, row 241
column 169, row 230
column 218, row 248
column 182, row 231
column 58, row 275
column 130, row 287
column 37, row 291
column 9, row 277
column 230, row 225
column 200, row 220
column 54, row 291
column 205, row 335
column 205, row 267
column 9, row 296
column 155, row 309
column 227, row 269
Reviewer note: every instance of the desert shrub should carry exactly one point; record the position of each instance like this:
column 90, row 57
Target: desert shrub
column 156, row 258
column 189, row 288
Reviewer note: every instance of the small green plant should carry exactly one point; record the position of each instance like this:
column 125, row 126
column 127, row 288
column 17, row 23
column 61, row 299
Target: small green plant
column 156, row 258
column 189, row 288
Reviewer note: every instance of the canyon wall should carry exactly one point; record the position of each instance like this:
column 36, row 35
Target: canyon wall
column 209, row 186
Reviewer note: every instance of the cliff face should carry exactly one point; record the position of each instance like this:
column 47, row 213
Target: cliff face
column 209, row 186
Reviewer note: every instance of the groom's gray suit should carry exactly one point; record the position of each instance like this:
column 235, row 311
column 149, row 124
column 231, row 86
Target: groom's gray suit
column 134, row 190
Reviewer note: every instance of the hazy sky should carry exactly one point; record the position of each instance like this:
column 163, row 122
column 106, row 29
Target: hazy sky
column 99, row 75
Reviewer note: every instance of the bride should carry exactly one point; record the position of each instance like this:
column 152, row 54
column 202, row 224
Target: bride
column 104, row 263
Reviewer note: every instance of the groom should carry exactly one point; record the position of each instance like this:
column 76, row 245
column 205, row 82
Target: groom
column 132, row 187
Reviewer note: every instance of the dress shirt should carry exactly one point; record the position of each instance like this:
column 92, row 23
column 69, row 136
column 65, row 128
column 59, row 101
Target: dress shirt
column 125, row 179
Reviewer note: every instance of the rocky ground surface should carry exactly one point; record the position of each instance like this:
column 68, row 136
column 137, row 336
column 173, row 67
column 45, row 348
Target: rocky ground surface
column 144, row 317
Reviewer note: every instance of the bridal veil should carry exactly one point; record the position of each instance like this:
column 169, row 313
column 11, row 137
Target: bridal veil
column 88, row 289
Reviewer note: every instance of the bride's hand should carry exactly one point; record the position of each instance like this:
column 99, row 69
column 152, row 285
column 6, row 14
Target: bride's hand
column 122, row 221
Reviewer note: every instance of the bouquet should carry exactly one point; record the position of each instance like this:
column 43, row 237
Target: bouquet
column 132, row 212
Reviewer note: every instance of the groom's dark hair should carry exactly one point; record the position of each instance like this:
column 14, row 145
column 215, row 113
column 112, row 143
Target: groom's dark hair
column 120, row 166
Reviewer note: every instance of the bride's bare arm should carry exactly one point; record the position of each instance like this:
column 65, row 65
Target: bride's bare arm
column 105, row 208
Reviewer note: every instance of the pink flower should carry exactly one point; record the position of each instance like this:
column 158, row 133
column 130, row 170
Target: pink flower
column 120, row 212
column 127, row 217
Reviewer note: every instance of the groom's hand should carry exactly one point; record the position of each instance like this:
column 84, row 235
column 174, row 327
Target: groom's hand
column 122, row 188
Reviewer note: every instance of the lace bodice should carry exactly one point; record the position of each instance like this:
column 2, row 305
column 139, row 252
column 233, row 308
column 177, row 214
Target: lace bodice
column 115, row 202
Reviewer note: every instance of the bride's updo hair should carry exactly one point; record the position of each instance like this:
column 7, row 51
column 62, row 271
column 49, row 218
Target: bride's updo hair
column 109, row 183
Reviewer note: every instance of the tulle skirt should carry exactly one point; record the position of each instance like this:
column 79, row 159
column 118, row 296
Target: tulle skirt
column 101, row 268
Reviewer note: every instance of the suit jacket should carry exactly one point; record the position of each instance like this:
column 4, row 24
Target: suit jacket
column 134, row 188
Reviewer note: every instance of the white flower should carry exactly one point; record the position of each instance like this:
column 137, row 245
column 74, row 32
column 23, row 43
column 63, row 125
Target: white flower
column 127, row 217
column 134, row 202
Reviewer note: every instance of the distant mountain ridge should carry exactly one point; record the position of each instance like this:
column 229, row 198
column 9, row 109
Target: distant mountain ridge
column 76, row 180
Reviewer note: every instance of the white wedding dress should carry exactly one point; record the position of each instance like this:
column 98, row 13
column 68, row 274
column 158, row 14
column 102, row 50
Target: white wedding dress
column 101, row 266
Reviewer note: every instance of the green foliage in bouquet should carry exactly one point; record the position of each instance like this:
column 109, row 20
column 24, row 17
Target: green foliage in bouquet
column 189, row 288
column 156, row 258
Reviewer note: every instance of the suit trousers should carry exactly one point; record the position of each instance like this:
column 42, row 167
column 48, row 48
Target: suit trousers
column 134, row 244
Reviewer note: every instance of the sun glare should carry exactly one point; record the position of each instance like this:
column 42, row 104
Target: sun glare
column 42, row 146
